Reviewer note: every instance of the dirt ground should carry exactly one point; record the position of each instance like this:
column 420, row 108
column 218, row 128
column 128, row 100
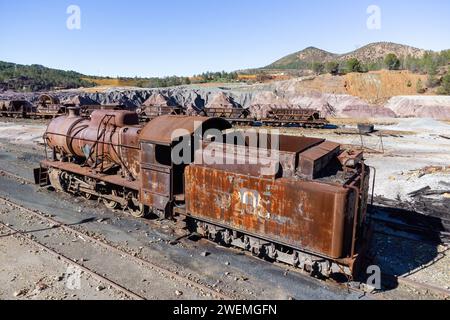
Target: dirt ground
column 28, row 273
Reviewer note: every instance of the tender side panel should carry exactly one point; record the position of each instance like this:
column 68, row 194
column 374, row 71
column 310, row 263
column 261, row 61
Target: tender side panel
column 301, row 214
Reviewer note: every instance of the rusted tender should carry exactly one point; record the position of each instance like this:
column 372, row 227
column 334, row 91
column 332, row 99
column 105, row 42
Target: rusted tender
column 297, row 200
column 313, row 202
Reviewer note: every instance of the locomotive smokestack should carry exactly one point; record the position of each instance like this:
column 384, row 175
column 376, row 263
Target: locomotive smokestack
column 74, row 112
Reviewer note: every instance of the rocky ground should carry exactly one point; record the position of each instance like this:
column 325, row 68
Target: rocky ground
column 408, row 147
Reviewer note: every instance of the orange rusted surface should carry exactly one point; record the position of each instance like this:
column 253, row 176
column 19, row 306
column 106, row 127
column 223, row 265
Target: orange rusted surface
column 169, row 128
column 110, row 137
column 302, row 214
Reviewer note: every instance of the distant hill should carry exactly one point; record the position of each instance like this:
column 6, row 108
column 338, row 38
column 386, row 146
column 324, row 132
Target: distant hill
column 367, row 54
column 27, row 78
column 19, row 77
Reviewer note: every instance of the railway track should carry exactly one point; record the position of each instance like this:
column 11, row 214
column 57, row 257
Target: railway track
column 103, row 279
column 43, row 216
column 132, row 257
column 12, row 175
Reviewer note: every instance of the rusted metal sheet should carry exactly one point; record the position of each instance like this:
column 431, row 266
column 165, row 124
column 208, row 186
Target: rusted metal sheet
column 156, row 187
column 284, row 143
column 167, row 129
column 120, row 118
column 307, row 215
column 102, row 141
column 315, row 161
column 270, row 158
column 242, row 159
column 156, row 180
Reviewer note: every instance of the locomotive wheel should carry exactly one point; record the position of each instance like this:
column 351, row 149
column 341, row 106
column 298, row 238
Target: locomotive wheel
column 256, row 252
column 111, row 204
column 56, row 180
column 89, row 196
column 137, row 209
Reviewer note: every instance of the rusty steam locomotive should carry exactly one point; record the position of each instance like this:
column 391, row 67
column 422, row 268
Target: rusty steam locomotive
column 307, row 211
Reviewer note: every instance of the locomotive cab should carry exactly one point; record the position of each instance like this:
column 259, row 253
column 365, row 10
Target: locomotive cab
column 162, row 176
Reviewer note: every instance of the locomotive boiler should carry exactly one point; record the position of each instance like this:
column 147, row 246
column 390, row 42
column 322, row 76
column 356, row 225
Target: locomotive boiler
column 305, row 206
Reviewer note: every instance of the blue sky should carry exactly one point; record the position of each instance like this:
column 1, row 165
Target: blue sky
column 186, row 37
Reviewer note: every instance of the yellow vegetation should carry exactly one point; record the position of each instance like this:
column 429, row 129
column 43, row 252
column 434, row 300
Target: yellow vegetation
column 375, row 87
column 247, row 77
column 379, row 86
column 113, row 82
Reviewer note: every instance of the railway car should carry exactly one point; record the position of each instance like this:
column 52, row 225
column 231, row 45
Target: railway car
column 274, row 117
column 49, row 106
column 305, row 207
column 294, row 116
column 16, row 108
column 148, row 113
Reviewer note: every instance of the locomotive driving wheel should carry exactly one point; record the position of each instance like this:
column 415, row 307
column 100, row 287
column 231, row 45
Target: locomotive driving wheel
column 111, row 204
column 87, row 195
column 136, row 209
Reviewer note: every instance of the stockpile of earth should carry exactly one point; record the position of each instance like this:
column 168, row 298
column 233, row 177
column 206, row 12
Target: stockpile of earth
column 221, row 100
column 79, row 100
column 259, row 99
column 436, row 107
column 158, row 100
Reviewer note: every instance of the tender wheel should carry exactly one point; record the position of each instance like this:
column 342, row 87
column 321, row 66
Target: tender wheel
column 111, row 204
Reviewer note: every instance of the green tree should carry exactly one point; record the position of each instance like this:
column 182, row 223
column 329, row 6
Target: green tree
column 432, row 71
column 332, row 67
column 318, row 67
column 374, row 66
column 392, row 62
column 445, row 85
column 354, row 65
